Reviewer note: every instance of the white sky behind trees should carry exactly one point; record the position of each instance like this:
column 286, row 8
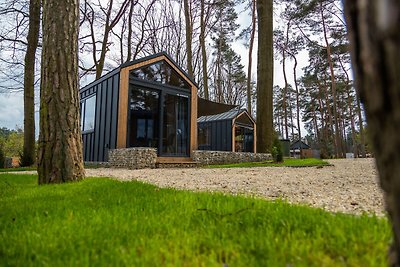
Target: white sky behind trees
column 11, row 105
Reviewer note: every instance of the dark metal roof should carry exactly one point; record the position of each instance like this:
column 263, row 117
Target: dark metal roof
column 297, row 144
column 229, row 115
column 206, row 107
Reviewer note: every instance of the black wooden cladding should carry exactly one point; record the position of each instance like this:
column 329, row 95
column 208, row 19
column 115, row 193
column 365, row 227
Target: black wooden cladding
column 97, row 142
column 221, row 135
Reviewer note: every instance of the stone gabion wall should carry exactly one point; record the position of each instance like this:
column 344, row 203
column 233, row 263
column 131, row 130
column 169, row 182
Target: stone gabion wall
column 227, row 157
column 132, row 158
column 97, row 164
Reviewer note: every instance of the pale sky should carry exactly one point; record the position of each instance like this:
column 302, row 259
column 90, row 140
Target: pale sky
column 11, row 105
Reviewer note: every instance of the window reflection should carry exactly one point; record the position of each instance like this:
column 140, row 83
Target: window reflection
column 204, row 136
column 175, row 125
column 244, row 139
column 160, row 72
column 144, row 117
column 88, row 110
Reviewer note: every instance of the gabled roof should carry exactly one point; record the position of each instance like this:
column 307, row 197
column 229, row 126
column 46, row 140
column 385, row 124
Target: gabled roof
column 207, row 107
column 297, row 144
column 161, row 55
column 229, row 115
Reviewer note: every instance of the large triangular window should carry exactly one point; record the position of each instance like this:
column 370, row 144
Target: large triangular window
column 160, row 72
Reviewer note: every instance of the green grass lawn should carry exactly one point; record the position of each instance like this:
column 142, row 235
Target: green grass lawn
column 289, row 162
column 103, row 222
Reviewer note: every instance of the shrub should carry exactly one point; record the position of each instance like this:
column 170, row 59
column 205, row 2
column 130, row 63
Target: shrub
column 277, row 153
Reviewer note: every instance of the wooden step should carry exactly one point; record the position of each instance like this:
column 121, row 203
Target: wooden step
column 176, row 162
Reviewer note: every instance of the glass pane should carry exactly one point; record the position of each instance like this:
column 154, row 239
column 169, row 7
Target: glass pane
column 203, row 137
column 144, row 117
column 90, row 109
column 248, row 140
column 160, row 72
column 243, row 139
column 82, row 109
column 175, row 125
column 239, row 136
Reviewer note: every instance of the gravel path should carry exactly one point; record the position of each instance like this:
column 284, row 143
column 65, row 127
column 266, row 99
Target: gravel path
column 350, row 186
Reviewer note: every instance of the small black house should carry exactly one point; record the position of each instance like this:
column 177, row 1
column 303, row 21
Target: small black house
column 150, row 102
column 298, row 146
column 233, row 130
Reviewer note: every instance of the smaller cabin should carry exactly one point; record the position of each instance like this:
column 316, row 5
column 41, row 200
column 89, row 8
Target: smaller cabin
column 298, row 146
column 233, row 130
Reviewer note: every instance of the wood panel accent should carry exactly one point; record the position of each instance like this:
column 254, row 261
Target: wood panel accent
column 233, row 135
column 123, row 103
column 123, row 109
column 193, row 121
column 255, row 138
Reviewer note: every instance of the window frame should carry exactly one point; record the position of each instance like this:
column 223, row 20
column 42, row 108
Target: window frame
column 83, row 109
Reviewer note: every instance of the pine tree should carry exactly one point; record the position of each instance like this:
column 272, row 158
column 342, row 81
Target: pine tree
column 60, row 141
column 265, row 76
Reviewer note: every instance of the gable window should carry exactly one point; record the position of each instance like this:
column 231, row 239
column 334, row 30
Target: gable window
column 160, row 72
column 88, row 110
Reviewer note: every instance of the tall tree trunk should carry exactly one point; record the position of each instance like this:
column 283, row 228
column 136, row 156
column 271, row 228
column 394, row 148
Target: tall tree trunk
column 291, row 115
column 130, row 32
column 60, row 140
column 249, row 67
column 219, row 72
column 333, row 86
column 315, row 122
column 203, row 49
column 296, row 86
column 351, row 111
column 284, row 103
column 104, row 43
column 109, row 25
column 375, row 44
column 188, row 23
column 265, row 73
column 328, row 115
column 28, row 154
column 362, row 134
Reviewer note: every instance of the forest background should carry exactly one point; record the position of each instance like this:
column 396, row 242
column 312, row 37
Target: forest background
column 314, row 97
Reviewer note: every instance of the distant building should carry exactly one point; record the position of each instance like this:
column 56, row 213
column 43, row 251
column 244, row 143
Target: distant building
column 233, row 130
column 299, row 146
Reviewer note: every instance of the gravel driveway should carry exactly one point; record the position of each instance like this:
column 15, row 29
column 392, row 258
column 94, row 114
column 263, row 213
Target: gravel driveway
column 349, row 186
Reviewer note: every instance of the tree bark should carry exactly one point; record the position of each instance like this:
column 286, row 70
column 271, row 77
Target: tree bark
column 130, row 32
column 375, row 44
column 219, row 71
column 60, row 140
column 296, row 86
column 285, row 88
column 251, row 45
column 351, row 112
column 203, row 49
column 265, row 76
column 338, row 149
column 362, row 134
column 188, row 27
column 28, row 154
